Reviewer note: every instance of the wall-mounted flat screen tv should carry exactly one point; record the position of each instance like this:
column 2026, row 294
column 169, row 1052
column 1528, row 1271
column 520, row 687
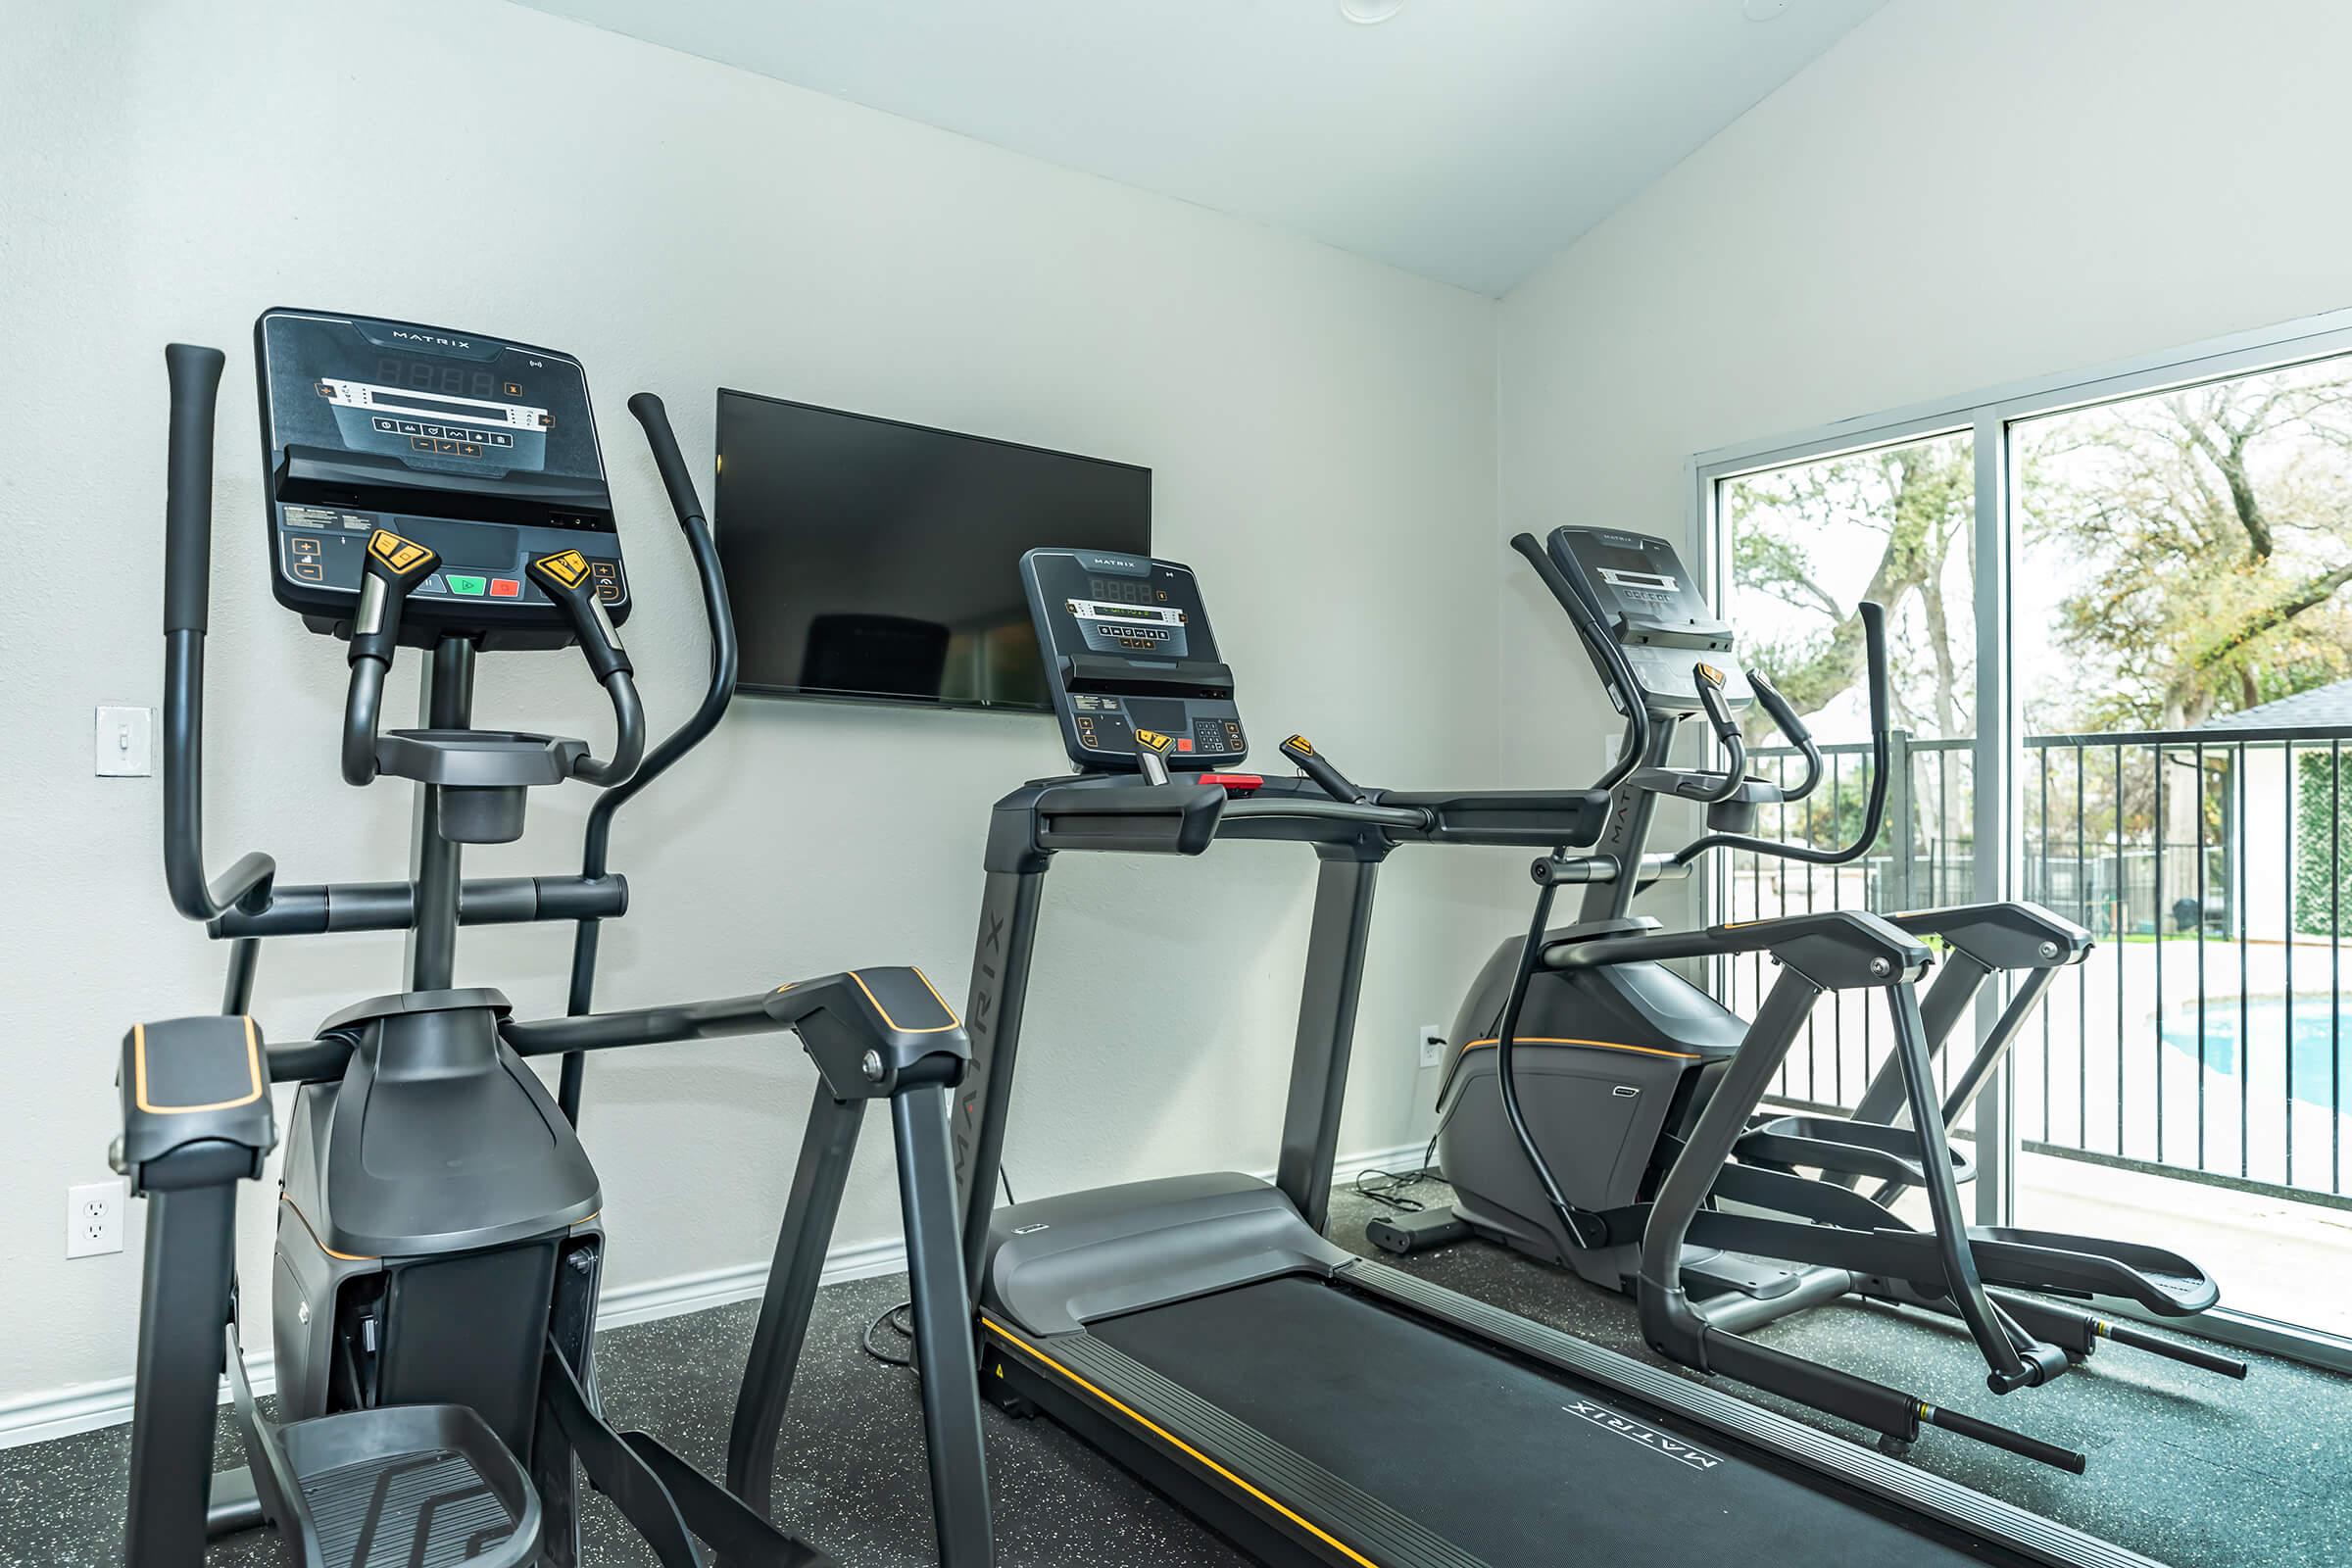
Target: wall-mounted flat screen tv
column 878, row 561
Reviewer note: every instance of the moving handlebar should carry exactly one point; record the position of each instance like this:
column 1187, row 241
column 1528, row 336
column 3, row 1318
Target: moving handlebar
column 195, row 378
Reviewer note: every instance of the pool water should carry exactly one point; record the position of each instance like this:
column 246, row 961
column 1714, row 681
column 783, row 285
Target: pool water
column 2319, row 1048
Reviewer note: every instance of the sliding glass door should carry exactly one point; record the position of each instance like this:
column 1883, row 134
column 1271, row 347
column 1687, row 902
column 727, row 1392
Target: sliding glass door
column 2122, row 624
column 2185, row 660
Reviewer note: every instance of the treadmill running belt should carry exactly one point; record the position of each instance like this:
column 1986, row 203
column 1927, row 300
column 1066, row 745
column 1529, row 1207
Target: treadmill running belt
column 1514, row 1465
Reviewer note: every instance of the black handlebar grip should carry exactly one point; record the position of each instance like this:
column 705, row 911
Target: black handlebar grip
column 401, row 566
column 195, row 375
column 676, row 478
column 1783, row 717
column 1329, row 779
column 1527, row 545
column 564, row 577
column 1874, row 643
column 1708, row 680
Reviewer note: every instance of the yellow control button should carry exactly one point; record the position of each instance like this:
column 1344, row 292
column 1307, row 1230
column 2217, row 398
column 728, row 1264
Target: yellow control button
column 568, row 567
column 403, row 556
column 1153, row 739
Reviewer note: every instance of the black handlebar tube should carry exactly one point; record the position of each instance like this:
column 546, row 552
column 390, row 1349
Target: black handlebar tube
column 725, row 659
column 628, row 736
column 1316, row 766
column 340, row 906
column 363, row 710
column 1585, row 1230
column 1734, row 746
column 1793, row 728
column 1881, row 752
column 676, row 478
column 1611, row 658
column 195, row 378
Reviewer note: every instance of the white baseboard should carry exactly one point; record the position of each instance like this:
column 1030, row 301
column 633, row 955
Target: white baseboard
column 87, row 1407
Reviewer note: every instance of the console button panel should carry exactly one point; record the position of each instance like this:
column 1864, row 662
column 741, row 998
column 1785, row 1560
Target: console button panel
column 483, row 449
column 1129, row 643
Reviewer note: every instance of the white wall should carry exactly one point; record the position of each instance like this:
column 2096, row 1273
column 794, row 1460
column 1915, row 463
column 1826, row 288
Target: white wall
column 1955, row 197
column 1322, row 429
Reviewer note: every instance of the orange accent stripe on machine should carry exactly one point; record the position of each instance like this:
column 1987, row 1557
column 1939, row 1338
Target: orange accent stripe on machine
column 1602, row 1044
column 348, row 1257
column 138, row 1064
column 953, row 1022
column 1171, row 1438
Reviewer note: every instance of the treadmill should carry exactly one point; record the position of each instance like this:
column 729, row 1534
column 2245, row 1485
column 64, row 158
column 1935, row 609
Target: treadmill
column 1311, row 1405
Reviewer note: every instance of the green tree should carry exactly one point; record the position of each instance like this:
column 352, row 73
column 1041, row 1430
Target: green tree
column 1914, row 504
column 2211, row 533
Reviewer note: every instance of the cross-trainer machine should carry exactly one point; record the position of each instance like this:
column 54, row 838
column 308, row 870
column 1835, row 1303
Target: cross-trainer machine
column 1315, row 1406
column 1588, row 1098
column 435, row 1290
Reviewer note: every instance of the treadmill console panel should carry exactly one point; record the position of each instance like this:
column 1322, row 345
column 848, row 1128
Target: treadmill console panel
column 482, row 449
column 1643, row 597
column 1128, row 644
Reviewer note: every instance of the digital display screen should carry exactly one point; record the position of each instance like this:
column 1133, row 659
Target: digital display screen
column 443, row 376
column 869, row 558
column 1123, row 590
column 450, row 410
column 1112, row 613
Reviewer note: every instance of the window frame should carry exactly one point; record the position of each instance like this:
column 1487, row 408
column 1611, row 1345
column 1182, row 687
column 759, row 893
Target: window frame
column 1991, row 415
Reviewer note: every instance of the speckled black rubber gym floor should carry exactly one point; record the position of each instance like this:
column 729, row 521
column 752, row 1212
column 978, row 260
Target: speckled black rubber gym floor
column 2189, row 1469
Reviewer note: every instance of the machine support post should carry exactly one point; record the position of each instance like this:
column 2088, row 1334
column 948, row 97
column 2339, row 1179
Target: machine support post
column 183, row 1314
column 1960, row 1281
column 1667, row 1319
column 827, row 1145
column 237, row 987
column 992, row 1018
column 1327, row 1003
column 1989, row 1059
column 1947, row 1002
column 436, row 863
column 1631, row 808
column 944, row 1354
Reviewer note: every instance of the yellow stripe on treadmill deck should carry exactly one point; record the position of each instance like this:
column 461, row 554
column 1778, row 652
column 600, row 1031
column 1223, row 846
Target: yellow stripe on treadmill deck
column 1171, row 1438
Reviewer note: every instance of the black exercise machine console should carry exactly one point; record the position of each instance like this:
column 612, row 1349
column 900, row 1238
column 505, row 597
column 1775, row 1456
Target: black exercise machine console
column 1129, row 644
column 480, row 450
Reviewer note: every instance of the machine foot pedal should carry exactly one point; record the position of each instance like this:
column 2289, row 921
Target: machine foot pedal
column 420, row 1486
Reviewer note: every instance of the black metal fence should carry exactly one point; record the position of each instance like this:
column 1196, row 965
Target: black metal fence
column 2209, row 1033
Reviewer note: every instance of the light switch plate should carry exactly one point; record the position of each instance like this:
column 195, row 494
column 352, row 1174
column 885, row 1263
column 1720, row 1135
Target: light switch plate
column 123, row 742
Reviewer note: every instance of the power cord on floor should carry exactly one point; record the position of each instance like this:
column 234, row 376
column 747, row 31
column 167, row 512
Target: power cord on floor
column 901, row 1317
column 901, row 1323
column 1391, row 1186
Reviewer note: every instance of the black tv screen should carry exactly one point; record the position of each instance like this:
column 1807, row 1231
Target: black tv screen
column 879, row 561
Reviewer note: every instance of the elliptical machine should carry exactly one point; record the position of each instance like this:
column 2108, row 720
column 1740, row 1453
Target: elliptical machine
column 438, row 1258
column 1575, row 1085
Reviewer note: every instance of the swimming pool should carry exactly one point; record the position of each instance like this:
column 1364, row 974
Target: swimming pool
column 2319, row 1051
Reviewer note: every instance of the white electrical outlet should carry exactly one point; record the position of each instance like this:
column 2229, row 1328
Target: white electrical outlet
column 1433, row 1045
column 94, row 1218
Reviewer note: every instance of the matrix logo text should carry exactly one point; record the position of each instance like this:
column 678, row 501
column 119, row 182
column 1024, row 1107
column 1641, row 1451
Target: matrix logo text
column 1649, row 1438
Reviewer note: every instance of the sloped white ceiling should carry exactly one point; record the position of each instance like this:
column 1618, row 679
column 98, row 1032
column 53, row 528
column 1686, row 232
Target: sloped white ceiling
column 1466, row 140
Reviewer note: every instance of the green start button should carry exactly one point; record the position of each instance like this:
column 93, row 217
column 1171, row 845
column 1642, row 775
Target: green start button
column 470, row 587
